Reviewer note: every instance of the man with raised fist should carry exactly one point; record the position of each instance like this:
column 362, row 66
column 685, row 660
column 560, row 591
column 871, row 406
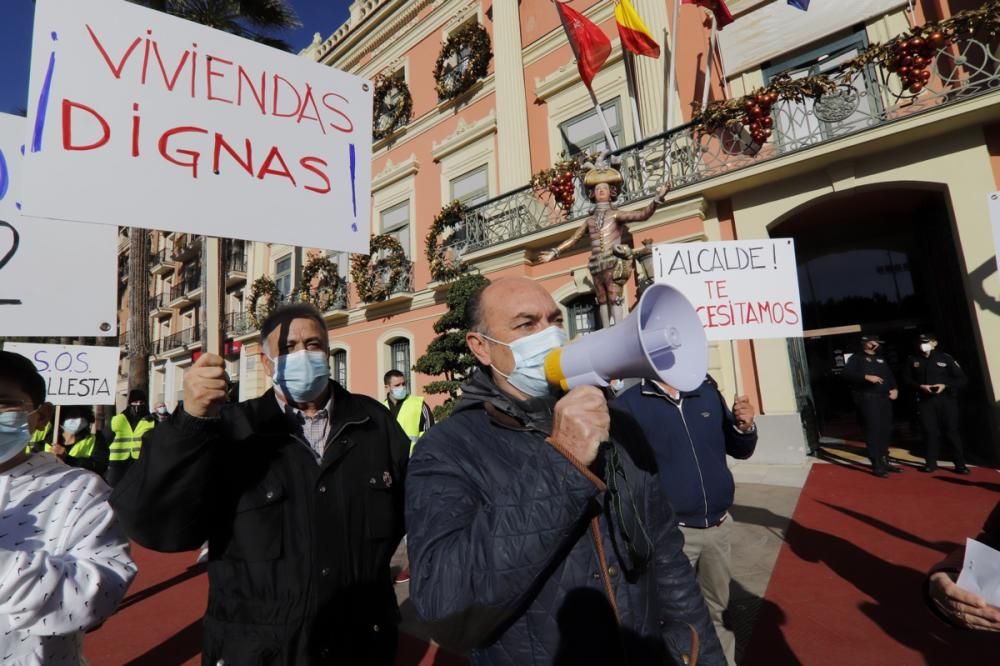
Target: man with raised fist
column 299, row 494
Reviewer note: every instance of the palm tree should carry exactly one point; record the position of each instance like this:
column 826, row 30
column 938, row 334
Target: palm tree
column 251, row 19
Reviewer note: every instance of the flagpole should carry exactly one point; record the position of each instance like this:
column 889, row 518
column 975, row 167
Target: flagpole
column 723, row 70
column 672, row 77
column 612, row 145
column 633, row 94
column 708, row 65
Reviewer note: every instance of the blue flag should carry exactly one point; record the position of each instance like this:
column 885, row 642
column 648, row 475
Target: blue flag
column 800, row 4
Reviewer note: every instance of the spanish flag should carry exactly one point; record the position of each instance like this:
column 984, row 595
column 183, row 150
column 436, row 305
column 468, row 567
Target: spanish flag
column 634, row 33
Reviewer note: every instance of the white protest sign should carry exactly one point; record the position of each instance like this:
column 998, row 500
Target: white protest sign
column 994, row 205
column 74, row 374
column 56, row 278
column 138, row 118
column 741, row 289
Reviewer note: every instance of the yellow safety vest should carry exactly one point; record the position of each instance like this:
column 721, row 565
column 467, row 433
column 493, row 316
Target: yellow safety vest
column 39, row 436
column 84, row 448
column 127, row 442
column 409, row 418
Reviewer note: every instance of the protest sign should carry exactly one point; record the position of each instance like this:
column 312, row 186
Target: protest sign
column 74, row 374
column 741, row 289
column 993, row 201
column 56, row 278
column 138, row 118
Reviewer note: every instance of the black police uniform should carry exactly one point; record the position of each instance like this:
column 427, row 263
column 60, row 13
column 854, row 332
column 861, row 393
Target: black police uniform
column 938, row 411
column 874, row 404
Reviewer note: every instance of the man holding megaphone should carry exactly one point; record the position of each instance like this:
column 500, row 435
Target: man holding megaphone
column 537, row 533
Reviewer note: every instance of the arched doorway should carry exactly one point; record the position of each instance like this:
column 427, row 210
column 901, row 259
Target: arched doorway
column 882, row 261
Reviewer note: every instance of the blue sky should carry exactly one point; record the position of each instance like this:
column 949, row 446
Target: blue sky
column 322, row 16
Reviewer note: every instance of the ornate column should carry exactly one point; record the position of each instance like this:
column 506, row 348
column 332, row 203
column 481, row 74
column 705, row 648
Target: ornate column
column 514, row 163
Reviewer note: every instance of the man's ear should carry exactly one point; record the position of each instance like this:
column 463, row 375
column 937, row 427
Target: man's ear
column 266, row 362
column 479, row 347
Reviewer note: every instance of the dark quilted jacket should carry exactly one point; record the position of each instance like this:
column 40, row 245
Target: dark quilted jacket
column 502, row 559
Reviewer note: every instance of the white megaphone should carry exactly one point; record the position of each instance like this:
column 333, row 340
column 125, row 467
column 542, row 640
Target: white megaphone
column 663, row 338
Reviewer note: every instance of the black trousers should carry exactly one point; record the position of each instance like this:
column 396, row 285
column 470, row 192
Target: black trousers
column 876, row 417
column 939, row 414
column 116, row 471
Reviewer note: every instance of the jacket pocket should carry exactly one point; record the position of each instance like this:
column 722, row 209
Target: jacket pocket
column 380, row 506
column 258, row 524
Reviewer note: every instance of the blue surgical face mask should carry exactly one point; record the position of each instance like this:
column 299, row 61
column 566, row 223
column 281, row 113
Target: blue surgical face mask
column 399, row 393
column 302, row 376
column 14, row 433
column 73, row 426
column 529, row 353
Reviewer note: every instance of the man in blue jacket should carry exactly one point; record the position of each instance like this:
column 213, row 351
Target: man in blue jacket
column 691, row 432
column 537, row 534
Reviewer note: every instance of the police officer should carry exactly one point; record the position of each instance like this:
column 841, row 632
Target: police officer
column 937, row 378
column 874, row 388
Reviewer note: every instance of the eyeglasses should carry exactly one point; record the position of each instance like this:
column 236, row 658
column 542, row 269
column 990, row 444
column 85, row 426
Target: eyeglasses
column 638, row 544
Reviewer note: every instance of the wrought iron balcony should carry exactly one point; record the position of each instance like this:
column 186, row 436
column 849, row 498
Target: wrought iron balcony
column 161, row 263
column 159, row 303
column 238, row 323
column 186, row 246
column 180, row 339
column 182, row 291
column 870, row 98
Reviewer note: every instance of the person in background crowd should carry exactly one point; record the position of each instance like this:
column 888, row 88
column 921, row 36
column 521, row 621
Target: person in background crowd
column 691, row 432
column 78, row 446
column 937, row 378
column 41, row 435
column 413, row 416
column 960, row 607
column 299, row 494
column 874, row 388
column 537, row 534
column 162, row 413
column 127, row 431
column 64, row 562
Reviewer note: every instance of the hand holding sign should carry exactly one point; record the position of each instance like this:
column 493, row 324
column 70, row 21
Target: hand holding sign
column 744, row 413
column 206, row 387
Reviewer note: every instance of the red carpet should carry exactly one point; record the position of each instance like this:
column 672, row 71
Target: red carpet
column 159, row 622
column 848, row 584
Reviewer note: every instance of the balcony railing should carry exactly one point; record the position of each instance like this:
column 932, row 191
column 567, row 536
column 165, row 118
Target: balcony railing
column 159, row 301
column 869, row 98
column 180, row 339
column 180, row 291
column 236, row 263
column 186, row 246
column 238, row 323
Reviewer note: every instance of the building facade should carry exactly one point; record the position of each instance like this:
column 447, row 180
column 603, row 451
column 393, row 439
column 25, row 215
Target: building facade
column 884, row 192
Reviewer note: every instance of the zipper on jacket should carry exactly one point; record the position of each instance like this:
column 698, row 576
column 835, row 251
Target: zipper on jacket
column 697, row 462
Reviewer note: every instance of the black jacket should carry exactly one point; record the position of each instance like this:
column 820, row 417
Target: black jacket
column 299, row 552
column 862, row 364
column 935, row 368
column 502, row 559
column 691, row 439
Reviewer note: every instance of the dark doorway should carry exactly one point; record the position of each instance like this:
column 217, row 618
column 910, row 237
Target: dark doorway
column 883, row 261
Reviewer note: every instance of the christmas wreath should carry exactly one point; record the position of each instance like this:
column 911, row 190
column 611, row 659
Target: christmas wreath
column 464, row 59
column 324, row 294
column 378, row 279
column 393, row 106
column 262, row 286
column 445, row 264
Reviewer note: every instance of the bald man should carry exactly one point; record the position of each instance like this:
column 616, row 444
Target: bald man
column 537, row 534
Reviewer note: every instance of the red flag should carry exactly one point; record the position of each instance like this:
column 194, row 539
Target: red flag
column 590, row 45
column 723, row 16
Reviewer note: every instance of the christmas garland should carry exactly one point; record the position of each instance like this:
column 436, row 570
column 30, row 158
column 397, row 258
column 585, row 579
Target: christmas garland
column 324, row 294
column 475, row 37
column 388, row 119
column 263, row 286
column 369, row 276
column 558, row 180
column 908, row 55
column 444, row 268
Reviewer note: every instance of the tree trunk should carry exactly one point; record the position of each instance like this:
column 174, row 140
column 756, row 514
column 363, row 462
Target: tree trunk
column 138, row 309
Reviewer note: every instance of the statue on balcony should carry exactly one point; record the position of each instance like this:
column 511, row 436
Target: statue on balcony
column 608, row 228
